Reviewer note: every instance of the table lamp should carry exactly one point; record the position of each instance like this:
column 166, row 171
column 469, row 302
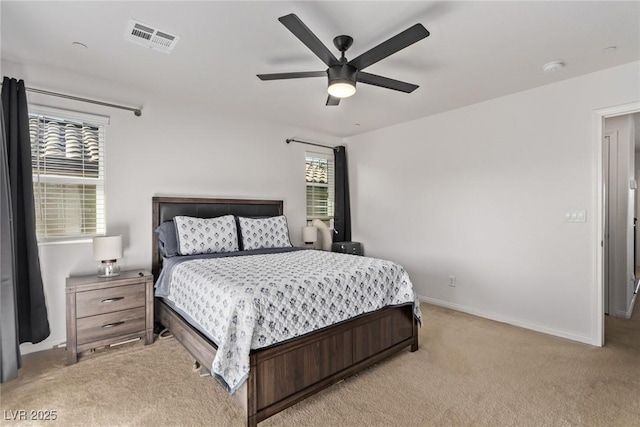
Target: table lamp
column 107, row 250
column 309, row 235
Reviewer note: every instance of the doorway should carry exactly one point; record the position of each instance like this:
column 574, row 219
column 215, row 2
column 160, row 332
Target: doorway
column 619, row 214
column 602, row 300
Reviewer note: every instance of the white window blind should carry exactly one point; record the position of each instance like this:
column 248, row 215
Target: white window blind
column 67, row 154
column 320, row 186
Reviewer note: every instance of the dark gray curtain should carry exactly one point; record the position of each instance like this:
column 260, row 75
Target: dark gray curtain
column 31, row 311
column 10, row 347
column 342, row 214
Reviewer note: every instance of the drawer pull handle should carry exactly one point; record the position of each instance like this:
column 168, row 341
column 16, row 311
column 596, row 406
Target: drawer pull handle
column 111, row 325
column 112, row 299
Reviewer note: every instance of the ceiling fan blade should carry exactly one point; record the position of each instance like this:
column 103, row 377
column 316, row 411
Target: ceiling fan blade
column 391, row 46
column 385, row 82
column 300, row 75
column 332, row 100
column 301, row 31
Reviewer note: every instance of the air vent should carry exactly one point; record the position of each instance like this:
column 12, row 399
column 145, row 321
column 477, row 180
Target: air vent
column 148, row 36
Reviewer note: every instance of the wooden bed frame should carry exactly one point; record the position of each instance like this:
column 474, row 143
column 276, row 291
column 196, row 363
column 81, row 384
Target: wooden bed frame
column 284, row 374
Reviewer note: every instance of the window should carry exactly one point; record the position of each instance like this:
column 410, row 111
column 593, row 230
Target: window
column 320, row 188
column 67, row 155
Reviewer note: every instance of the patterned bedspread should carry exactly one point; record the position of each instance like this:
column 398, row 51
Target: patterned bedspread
column 250, row 302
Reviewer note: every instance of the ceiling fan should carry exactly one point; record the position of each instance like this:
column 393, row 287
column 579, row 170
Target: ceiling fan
column 344, row 74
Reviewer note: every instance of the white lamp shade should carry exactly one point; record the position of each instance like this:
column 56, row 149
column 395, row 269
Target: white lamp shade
column 107, row 248
column 309, row 234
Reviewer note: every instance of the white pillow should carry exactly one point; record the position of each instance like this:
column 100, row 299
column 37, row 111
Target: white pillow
column 206, row 235
column 260, row 233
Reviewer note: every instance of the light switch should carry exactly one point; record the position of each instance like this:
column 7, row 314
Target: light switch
column 578, row 215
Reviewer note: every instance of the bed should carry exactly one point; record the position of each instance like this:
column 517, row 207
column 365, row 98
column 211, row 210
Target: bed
column 285, row 373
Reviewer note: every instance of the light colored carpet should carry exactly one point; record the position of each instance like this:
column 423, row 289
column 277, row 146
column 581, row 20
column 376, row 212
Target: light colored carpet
column 468, row 371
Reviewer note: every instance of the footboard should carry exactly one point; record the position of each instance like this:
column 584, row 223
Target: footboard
column 285, row 374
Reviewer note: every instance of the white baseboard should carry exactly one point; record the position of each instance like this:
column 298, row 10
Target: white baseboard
column 47, row 344
column 510, row 320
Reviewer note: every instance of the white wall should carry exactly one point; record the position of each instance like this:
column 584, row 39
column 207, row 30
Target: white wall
column 177, row 147
column 481, row 192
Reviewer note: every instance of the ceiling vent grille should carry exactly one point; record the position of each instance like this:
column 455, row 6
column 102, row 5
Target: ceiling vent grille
column 147, row 36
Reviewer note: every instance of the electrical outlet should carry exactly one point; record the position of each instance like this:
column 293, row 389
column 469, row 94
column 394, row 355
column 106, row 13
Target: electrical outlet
column 452, row 281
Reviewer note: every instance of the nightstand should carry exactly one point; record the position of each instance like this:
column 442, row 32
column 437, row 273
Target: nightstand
column 103, row 311
column 353, row 248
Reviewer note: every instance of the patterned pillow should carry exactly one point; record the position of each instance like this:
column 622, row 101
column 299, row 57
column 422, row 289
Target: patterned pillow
column 206, row 235
column 260, row 233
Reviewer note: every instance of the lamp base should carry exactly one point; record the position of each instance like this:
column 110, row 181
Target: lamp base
column 109, row 268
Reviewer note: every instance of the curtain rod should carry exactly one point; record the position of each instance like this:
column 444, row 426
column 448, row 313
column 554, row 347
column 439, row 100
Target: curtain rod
column 136, row 111
column 290, row 140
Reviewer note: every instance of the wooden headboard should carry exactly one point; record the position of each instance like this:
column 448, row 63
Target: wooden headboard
column 165, row 208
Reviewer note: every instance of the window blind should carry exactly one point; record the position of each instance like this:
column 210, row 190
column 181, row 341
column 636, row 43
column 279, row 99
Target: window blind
column 319, row 176
column 67, row 155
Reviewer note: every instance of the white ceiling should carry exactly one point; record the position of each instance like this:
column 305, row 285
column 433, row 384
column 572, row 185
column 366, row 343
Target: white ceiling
column 477, row 51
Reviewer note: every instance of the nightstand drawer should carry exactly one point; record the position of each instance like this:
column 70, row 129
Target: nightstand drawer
column 91, row 303
column 109, row 325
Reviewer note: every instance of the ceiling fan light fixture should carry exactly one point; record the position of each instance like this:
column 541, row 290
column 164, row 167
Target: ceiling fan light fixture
column 342, row 80
column 341, row 89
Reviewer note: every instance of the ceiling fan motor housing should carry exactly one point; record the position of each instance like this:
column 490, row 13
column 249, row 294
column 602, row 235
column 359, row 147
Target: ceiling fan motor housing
column 342, row 73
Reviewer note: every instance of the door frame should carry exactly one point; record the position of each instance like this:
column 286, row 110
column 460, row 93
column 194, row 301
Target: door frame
column 598, row 309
